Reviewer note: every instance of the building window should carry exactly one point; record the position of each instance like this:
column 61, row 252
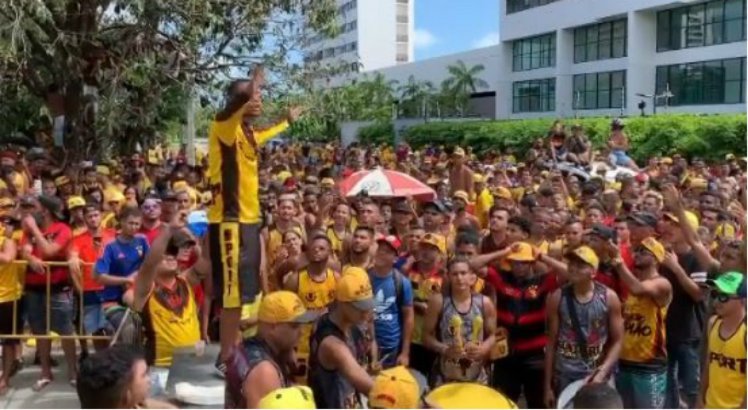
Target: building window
column 704, row 24
column 513, row 6
column 600, row 41
column 534, row 95
column 599, row 90
column 346, row 7
column 704, row 82
column 534, row 52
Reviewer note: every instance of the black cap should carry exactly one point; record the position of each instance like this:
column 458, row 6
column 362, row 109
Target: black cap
column 602, row 231
column 168, row 194
column 53, row 204
column 438, row 205
column 643, row 219
column 28, row 201
column 179, row 240
column 402, row 206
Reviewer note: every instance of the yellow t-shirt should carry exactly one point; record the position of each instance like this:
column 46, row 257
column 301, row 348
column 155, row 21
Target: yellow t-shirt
column 171, row 328
column 483, row 204
column 727, row 363
column 11, row 284
column 644, row 331
column 315, row 296
column 232, row 169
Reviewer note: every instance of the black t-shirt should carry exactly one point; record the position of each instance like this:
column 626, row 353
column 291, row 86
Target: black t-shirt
column 685, row 317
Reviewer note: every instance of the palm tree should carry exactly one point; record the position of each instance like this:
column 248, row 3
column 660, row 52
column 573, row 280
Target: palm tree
column 464, row 81
column 414, row 95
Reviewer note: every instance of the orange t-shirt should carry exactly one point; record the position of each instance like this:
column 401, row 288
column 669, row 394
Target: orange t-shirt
column 89, row 250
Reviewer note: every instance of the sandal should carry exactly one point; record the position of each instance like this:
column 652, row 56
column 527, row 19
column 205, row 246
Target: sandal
column 41, row 384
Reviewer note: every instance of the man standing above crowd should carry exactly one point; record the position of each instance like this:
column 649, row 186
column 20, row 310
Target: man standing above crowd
column 234, row 217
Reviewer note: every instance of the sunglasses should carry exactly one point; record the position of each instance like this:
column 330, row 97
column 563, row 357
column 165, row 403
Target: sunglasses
column 720, row 297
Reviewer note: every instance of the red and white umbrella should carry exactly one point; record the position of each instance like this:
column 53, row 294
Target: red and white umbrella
column 385, row 183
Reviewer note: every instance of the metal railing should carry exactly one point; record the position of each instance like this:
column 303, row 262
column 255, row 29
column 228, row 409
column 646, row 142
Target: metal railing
column 48, row 311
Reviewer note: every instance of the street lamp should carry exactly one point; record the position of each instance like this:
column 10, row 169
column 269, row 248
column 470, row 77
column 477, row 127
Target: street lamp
column 667, row 95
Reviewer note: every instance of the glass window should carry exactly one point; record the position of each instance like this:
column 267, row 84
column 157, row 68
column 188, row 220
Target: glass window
column 706, row 82
column 704, row 24
column 534, row 95
column 599, row 90
column 514, row 6
column 600, row 41
column 534, row 52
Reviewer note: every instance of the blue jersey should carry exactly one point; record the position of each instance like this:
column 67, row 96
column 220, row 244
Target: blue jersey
column 387, row 320
column 121, row 259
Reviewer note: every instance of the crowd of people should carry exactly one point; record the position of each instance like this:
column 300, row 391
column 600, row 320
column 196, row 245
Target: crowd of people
column 517, row 280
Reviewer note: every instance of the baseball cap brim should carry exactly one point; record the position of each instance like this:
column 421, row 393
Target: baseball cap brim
column 364, row 304
column 307, row 317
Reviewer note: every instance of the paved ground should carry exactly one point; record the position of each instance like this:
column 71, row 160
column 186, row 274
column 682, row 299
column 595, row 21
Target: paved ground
column 58, row 395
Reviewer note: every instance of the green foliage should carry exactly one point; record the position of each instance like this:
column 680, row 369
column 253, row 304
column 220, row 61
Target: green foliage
column 120, row 71
column 707, row 136
column 377, row 133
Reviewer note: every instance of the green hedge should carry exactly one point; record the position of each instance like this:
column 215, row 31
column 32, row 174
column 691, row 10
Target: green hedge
column 707, row 136
column 377, row 133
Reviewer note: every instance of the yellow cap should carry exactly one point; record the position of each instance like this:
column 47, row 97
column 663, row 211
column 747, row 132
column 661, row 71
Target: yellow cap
column 435, row 240
column 283, row 176
column 523, row 253
column 102, row 169
column 62, row 180
column 502, row 193
column 698, row 183
column 3, row 185
column 296, row 397
column 6, row 202
column 353, row 270
column 478, row 178
column 284, row 307
column 76, row 202
column 654, row 246
column 586, row 255
column 666, row 160
column 395, row 388
column 467, row 396
column 433, row 180
column 729, row 157
column 691, row 218
column 461, row 195
column 459, row 152
column 327, row 182
column 179, row 185
column 113, row 195
column 355, row 289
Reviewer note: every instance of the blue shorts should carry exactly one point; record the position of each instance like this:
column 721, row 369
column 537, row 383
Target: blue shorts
column 62, row 312
column 642, row 389
column 619, row 158
column 94, row 319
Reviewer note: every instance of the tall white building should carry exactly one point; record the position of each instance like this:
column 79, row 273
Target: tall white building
column 560, row 58
column 373, row 34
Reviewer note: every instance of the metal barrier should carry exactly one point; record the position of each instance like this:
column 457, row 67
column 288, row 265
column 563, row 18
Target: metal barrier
column 81, row 334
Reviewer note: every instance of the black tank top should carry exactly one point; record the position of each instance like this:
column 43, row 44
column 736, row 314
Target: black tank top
column 246, row 356
column 332, row 390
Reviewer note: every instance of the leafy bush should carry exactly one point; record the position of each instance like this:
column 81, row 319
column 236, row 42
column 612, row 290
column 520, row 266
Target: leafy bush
column 707, row 136
column 377, row 133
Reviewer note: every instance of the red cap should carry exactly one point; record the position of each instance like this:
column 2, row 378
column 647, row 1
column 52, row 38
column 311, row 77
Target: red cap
column 390, row 240
column 642, row 177
column 9, row 154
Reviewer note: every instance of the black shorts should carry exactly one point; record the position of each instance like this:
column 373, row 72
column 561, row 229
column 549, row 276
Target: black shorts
column 6, row 321
column 235, row 262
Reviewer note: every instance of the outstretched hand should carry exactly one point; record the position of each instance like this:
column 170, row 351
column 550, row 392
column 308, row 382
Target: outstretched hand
column 294, row 113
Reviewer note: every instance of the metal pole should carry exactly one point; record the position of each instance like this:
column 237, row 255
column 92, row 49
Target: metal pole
column 190, row 128
column 623, row 99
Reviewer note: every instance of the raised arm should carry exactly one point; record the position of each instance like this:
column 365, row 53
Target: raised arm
column 673, row 202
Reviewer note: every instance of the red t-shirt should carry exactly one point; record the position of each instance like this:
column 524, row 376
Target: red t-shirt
column 59, row 233
column 89, row 251
column 151, row 234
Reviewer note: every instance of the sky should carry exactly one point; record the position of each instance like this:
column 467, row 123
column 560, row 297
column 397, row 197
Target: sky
column 450, row 26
